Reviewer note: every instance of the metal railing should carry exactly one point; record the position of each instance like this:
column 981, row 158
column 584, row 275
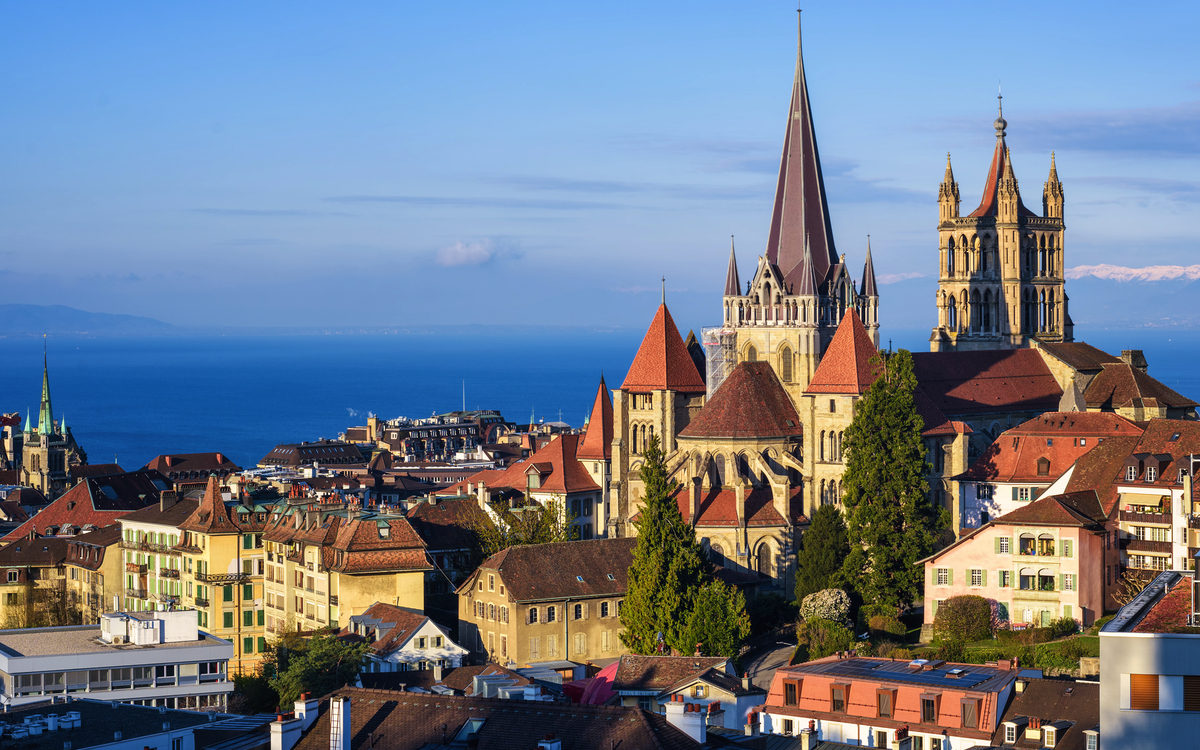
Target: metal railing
column 140, row 569
column 168, row 573
column 201, row 601
column 136, row 593
column 221, row 577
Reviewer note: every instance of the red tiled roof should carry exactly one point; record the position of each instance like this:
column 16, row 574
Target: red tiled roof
column 96, row 470
column 174, row 463
column 211, row 516
column 846, row 365
column 661, row 672
column 1099, row 469
column 398, row 626
column 719, row 508
column 561, row 471
column 989, row 204
column 1015, row 454
column 552, row 571
column 96, row 501
column 1072, row 509
column 751, row 403
column 1120, row 385
column 597, row 443
column 446, row 524
column 978, row 382
column 1079, row 355
column 662, row 361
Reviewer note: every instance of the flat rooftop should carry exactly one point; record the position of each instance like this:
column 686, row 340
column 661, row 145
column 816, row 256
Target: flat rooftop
column 79, row 639
column 973, row 677
column 98, row 721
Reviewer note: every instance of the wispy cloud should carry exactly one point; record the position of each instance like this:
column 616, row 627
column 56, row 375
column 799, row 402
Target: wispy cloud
column 843, row 185
column 619, row 187
column 296, row 212
column 513, row 203
column 892, row 278
column 475, row 253
column 1181, row 191
column 1173, row 130
column 1147, row 273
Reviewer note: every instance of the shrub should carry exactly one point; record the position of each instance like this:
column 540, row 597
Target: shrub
column 952, row 650
column 1063, row 627
column 867, row 612
column 881, row 625
column 828, row 604
column 964, row 619
column 824, row 637
column 886, row 649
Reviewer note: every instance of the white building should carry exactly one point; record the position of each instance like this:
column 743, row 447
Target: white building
column 402, row 640
column 148, row 658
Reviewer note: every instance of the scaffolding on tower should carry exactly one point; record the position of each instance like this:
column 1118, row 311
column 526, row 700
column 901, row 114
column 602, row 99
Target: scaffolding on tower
column 720, row 352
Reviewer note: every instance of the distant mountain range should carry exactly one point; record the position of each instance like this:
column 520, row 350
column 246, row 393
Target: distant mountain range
column 60, row 320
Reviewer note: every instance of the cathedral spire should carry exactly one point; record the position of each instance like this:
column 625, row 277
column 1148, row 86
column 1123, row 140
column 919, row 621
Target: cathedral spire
column 868, row 288
column 733, row 285
column 800, row 210
column 1052, row 193
column 805, row 284
column 46, row 414
column 949, row 178
column 1000, row 169
column 28, row 423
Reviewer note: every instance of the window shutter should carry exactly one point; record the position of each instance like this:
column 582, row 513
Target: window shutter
column 1015, row 494
column 1143, row 692
column 950, row 576
column 997, row 541
column 1060, row 581
column 935, row 607
column 984, row 574
column 1068, row 548
column 1067, row 611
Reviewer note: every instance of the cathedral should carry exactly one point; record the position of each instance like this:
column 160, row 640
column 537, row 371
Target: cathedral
column 48, row 449
column 1001, row 283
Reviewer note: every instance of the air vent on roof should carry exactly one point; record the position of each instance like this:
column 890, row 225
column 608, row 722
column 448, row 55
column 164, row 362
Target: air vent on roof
column 955, row 673
column 1174, row 437
column 611, row 577
column 917, row 663
column 579, row 578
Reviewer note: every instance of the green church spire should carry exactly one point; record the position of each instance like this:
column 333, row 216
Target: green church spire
column 46, row 416
column 28, row 423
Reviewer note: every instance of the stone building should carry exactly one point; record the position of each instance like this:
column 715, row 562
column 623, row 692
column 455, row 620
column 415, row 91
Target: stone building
column 547, row 602
column 1001, row 267
column 48, row 450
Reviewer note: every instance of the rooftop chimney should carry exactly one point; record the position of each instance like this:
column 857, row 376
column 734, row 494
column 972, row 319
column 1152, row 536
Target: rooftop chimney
column 687, row 718
column 1135, row 359
column 437, row 671
column 339, row 723
column 549, row 742
column 306, row 711
column 285, row 731
column 746, row 681
column 808, row 739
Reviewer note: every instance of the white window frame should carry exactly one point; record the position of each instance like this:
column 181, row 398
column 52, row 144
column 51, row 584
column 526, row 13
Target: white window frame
column 943, row 576
column 1010, row 733
column 1005, row 545
column 976, row 577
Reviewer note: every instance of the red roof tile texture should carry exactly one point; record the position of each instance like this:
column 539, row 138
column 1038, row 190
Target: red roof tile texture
column 663, row 362
column 990, row 202
column 1120, row 385
column 719, row 508
column 552, row 571
column 89, row 502
column 661, row 672
column 556, row 462
column 751, row 403
column 1017, row 454
column 1079, row 355
column 967, row 383
column 846, row 365
column 597, row 443
column 1072, row 509
column 398, row 626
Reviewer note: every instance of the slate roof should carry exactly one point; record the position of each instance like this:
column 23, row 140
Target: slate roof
column 192, row 465
column 552, row 571
column 597, row 442
column 846, row 365
column 751, row 403
column 1120, row 385
column 94, row 470
column 88, row 550
column 1014, row 455
column 661, row 672
column 1079, row 355
column 98, row 501
column 1076, row 704
column 408, row 721
column 979, row 382
column 172, row 516
column 44, row 552
column 662, row 361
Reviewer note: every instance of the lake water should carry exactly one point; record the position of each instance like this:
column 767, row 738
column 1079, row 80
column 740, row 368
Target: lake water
column 241, row 395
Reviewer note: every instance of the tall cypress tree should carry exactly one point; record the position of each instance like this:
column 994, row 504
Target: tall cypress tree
column 668, row 566
column 823, row 549
column 718, row 623
column 890, row 522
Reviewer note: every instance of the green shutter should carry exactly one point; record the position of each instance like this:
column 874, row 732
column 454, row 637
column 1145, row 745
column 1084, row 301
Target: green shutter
column 1068, row 548
column 247, row 645
column 228, row 593
column 1060, row 581
column 935, row 605
column 997, row 541
column 199, row 619
column 228, row 619
column 950, row 576
column 1012, row 545
column 1067, row 610
column 248, row 591
column 1016, row 494
column 984, row 577
column 262, row 617
column 262, row 645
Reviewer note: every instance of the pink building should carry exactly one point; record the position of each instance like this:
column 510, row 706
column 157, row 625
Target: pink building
column 1042, row 561
column 933, row 705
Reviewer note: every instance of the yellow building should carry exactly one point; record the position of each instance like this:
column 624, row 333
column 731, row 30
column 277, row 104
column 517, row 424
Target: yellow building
column 325, row 563
column 94, row 566
column 222, row 564
column 153, row 560
column 33, row 588
column 547, row 602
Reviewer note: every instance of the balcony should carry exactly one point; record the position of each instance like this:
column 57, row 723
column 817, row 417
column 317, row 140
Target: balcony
column 221, row 578
column 1163, row 519
column 333, row 600
column 1145, row 545
column 140, row 569
column 165, row 549
column 168, row 573
column 1194, row 522
column 201, row 602
column 135, row 593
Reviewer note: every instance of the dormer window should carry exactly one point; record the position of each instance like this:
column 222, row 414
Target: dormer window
column 1131, row 473
column 1049, row 735
column 1151, row 473
column 1091, row 739
column 1043, row 467
column 1010, row 733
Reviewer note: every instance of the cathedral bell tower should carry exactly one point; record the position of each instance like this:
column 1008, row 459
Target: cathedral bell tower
column 1001, row 283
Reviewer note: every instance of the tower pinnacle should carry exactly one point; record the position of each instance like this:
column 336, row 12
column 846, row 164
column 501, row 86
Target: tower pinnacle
column 46, row 414
column 733, row 285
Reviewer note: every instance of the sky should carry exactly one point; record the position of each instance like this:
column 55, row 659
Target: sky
column 313, row 164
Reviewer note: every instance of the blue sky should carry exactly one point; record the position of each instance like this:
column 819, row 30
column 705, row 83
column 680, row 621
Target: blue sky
column 396, row 163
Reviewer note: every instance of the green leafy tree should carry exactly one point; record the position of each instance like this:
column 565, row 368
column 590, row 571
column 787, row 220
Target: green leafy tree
column 718, row 624
column 890, row 522
column 819, row 638
column 668, row 566
column 963, row 618
column 823, row 549
column 533, row 523
column 317, row 666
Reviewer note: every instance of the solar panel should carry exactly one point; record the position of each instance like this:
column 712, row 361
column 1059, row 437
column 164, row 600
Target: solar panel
column 934, row 677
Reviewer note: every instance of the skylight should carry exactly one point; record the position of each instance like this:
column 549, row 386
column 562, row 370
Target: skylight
column 579, row 578
column 1175, row 437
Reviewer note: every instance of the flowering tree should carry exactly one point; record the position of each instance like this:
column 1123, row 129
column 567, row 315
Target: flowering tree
column 828, row 604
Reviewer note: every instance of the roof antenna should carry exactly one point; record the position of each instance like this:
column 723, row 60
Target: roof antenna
column 664, row 290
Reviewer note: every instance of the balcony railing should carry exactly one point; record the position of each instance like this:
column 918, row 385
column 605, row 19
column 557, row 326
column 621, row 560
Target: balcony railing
column 1145, row 545
column 201, row 601
column 333, row 600
column 1136, row 517
column 221, row 577
column 1194, row 522
column 140, row 569
column 168, row 573
column 135, row 593
column 165, row 549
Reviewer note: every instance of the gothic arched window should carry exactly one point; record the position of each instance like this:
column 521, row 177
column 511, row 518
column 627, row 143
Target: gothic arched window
column 785, row 364
column 764, row 559
column 751, row 354
column 821, row 449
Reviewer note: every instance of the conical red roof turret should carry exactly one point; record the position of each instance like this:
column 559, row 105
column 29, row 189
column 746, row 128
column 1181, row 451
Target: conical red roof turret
column 846, row 366
column 597, row 441
column 663, row 362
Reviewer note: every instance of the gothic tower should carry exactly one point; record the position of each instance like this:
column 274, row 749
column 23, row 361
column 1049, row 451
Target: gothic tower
column 801, row 288
column 1001, row 279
